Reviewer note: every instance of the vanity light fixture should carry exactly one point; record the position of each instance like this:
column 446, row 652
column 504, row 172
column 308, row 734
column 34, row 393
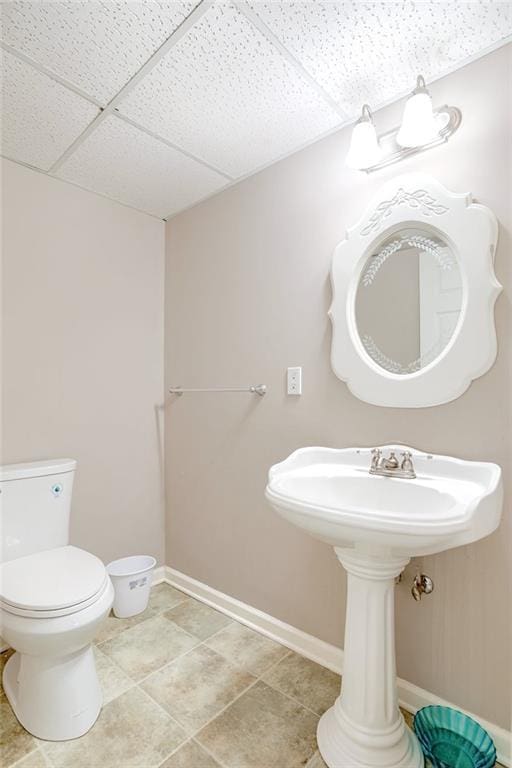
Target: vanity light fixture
column 423, row 127
column 419, row 124
column 364, row 149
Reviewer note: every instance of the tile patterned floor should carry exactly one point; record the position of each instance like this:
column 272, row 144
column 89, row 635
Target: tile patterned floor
column 186, row 687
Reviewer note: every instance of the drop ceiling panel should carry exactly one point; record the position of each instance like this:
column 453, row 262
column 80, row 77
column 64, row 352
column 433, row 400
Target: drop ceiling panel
column 40, row 118
column 97, row 46
column 227, row 95
column 371, row 52
column 123, row 163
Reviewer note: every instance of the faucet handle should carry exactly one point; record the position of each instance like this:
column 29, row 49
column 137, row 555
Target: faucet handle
column 407, row 464
column 376, row 454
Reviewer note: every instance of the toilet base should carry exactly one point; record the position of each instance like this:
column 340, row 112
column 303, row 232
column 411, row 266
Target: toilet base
column 54, row 698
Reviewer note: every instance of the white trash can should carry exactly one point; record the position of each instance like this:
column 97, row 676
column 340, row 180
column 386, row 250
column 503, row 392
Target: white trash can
column 131, row 578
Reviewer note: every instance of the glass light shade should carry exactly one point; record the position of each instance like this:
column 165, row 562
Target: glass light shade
column 419, row 124
column 364, row 148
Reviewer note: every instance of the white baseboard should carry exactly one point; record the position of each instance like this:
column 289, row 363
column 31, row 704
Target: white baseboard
column 411, row 697
column 159, row 575
column 317, row 650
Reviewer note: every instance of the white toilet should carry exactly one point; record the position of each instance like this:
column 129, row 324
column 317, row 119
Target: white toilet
column 53, row 600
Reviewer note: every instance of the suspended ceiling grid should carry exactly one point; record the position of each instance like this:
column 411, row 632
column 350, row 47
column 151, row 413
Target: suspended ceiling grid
column 159, row 105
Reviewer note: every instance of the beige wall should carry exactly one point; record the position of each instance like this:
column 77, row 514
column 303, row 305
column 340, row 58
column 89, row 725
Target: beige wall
column 247, row 293
column 83, row 354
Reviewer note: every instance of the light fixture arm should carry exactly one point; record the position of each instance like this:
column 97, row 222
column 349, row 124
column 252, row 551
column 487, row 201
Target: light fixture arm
column 421, row 86
column 366, row 115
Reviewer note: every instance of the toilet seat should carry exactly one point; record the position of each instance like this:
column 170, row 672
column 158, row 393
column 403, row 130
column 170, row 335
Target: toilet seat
column 56, row 582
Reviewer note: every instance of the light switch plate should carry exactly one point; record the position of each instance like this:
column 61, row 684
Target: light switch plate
column 294, row 381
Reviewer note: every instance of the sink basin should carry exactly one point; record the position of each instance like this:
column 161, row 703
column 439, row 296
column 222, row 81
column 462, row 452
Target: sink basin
column 376, row 524
column 330, row 493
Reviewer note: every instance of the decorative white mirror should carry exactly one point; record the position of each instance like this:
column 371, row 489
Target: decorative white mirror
column 413, row 296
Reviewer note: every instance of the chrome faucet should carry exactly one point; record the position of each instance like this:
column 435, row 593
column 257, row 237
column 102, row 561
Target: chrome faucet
column 391, row 467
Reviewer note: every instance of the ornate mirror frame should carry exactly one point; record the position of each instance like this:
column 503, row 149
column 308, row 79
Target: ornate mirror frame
column 471, row 229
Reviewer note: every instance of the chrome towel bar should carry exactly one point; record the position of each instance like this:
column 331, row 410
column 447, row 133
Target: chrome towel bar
column 257, row 389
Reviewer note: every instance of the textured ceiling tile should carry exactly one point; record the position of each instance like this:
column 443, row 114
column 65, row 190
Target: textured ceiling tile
column 371, row 52
column 97, row 46
column 123, row 163
column 40, row 117
column 227, row 95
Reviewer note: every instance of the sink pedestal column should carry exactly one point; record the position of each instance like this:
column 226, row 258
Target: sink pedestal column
column 364, row 727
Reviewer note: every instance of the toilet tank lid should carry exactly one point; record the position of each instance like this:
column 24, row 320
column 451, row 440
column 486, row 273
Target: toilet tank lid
column 36, row 469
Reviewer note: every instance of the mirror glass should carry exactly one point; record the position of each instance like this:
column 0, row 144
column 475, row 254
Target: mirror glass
column 408, row 300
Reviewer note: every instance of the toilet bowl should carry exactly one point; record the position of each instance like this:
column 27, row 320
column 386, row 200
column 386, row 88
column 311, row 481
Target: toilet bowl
column 52, row 605
column 53, row 600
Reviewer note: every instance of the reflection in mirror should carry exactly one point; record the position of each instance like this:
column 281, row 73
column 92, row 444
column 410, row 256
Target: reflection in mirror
column 408, row 300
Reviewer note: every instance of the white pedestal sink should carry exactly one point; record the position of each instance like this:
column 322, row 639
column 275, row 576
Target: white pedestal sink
column 376, row 524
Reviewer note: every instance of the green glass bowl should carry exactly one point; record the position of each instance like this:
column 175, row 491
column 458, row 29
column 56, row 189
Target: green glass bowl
column 450, row 739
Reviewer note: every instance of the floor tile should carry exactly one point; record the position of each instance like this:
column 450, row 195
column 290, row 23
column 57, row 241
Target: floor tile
column 36, row 759
column 408, row 717
column 316, row 761
column 261, row 728
column 4, row 658
column 190, row 755
column 146, row 647
column 161, row 598
column 131, row 732
column 15, row 742
column 112, row 679
column 195, row 688
column 189, row 686
column 198, row 619
column 249, row 650
column 112, row 626
column 312, row 685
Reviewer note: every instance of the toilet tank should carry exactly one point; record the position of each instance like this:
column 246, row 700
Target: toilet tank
column 35, row 504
